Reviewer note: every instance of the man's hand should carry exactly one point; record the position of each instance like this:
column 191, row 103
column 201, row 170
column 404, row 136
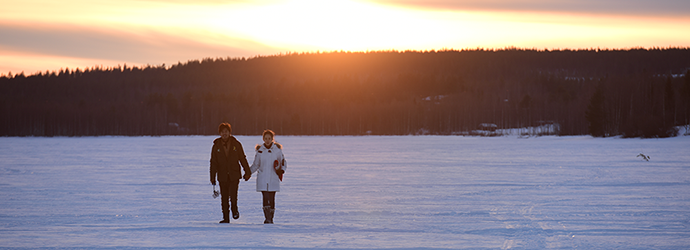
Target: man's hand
column 215, row 193
column 247, row 176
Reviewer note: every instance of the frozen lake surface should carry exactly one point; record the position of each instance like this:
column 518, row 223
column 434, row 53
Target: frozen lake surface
column 401, row 192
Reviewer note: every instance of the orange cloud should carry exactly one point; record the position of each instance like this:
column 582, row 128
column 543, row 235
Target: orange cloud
column 656, row 8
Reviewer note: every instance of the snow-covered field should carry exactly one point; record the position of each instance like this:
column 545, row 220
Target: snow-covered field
column 398, row 192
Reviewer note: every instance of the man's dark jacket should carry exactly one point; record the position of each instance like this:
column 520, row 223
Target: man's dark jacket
column 227, row 165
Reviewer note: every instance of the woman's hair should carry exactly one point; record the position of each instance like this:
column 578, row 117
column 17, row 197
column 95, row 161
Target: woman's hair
column 270, row 132
column 225, row 125
column 273, row 135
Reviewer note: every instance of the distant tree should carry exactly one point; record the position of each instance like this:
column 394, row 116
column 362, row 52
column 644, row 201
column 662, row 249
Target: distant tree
column 595, row 114
column 685, row 100
column 669, row 114
column 526, row 102
column 356, row 93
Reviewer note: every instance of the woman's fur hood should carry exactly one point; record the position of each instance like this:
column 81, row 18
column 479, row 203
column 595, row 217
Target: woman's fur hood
column 258, row 146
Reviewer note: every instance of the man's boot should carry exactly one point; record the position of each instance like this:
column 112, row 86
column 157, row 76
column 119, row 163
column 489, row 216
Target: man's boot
column 225, row 206
column 226, row 218
column 235, row 213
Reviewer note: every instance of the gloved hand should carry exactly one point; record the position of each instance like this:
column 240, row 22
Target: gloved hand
column 279, row 170
column 247, row 176
column 215, row 193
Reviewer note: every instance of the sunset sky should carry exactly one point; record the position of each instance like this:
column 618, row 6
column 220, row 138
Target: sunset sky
column 47, row 35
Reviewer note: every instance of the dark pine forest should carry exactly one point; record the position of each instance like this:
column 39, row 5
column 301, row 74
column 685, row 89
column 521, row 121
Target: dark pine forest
column 631, row 92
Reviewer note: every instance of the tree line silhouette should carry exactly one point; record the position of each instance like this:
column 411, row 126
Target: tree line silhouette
column 629, row 92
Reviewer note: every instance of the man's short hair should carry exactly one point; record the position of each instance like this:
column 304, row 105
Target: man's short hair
column 224, row 125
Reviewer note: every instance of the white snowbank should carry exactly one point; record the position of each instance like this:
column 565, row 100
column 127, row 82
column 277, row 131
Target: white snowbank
column 488, row 129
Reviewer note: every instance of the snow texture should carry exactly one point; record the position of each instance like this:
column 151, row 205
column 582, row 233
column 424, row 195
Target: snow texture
column 397, row 192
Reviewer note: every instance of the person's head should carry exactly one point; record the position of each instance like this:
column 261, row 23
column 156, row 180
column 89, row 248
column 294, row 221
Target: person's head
column 225, row 130
column 268, row 136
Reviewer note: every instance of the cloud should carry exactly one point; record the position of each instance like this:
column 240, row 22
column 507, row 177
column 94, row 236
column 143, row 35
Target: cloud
column 135, row 45
column 679, row 8
column 16, row 62
column 129, row 31
column 195, row 2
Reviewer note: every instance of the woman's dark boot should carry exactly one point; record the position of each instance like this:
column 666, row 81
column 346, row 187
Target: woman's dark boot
column 268, row 214
column 271, row 212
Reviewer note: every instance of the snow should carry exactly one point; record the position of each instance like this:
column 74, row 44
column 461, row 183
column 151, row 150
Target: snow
column 683, row 130
column 397, row 192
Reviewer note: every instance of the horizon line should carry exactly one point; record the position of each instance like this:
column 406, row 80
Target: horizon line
column 67, row 70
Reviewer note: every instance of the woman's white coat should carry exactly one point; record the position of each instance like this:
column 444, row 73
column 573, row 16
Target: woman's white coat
column 266, row 178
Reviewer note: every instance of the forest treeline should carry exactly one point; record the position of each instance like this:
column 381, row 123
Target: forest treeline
column 630, row 92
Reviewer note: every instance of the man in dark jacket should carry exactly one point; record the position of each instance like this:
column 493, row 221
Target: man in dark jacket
column 226, row 156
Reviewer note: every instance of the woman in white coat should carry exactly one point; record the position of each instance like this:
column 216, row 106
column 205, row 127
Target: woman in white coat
column 269, row 162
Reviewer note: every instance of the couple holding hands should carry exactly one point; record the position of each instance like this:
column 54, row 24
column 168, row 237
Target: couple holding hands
column 226, row 156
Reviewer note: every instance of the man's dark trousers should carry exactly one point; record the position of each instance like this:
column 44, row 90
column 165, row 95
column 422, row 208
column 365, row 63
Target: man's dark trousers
column 228, row 190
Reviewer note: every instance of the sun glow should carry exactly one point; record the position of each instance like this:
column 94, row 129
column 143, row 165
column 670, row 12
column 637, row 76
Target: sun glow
column 329, row 25
column 361, row 26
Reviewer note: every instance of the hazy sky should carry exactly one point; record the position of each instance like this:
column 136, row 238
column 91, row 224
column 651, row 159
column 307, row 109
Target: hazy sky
column 41, row 35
